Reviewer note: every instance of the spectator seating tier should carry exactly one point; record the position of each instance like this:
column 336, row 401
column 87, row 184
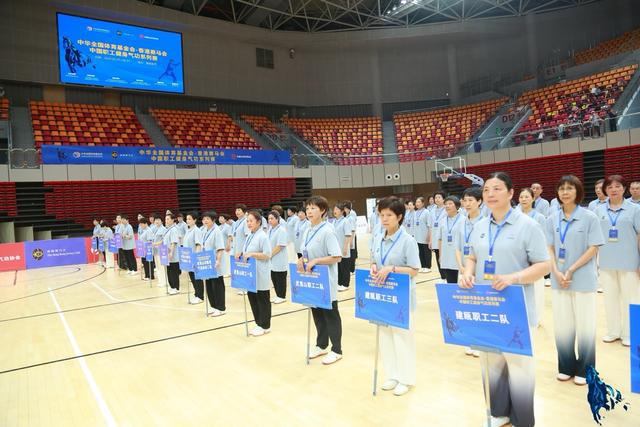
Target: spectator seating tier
column 625, row 43
column 261, row 124
column 4, row 109
column 440, row 132
column 347, row 141
column 8, row 198
column 202, row 129
column 86, row 124
column 572, row 102
column 223, row 194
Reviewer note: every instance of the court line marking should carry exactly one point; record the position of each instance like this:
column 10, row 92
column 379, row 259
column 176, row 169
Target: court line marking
column 188, row 334
column 95, row 390
column 112, row 298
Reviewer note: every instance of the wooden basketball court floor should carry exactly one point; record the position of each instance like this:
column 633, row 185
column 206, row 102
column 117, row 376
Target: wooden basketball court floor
column 81, row 346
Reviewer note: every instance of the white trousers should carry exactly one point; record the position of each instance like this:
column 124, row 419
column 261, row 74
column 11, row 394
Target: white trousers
column 512, row 386
column 161, row 274
column 108, row 258
column 538, row 289
column 293, row 255
column 398, row 352
column 225, row 263
column 621, row 288
column 574, row 322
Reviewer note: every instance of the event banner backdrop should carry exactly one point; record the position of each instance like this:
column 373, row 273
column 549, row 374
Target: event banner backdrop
column 46, row 253
column 82, row 155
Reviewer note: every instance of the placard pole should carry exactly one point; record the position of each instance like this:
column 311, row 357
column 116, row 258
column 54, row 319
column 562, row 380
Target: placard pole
column 246, row 320
column 308, row 332
column 485, row 384
column 375, row 364
column 166, row 277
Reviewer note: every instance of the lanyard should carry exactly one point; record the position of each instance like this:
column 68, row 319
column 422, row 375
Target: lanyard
column 272, row 230
column 563, row 234
column 310, row 238
column 237, row 224
column 206, row 236
column 248, row 241
column 383, row 256
column 299, row 225
column 492, row 239
column 467, row 235
column 611, row 219
column 438, row 216
column 452, row 225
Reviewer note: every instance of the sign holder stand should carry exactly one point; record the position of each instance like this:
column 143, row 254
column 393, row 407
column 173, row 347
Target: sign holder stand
column 246, row 320
column 484, row 371
column 308, row 332
column 166, row 278
column 375, row 363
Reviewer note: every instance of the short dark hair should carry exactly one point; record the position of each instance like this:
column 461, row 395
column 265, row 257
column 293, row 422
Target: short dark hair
column 275, row 214
column 241, row 206
column 394, row 204
column 573, row 181
column 124, row 217
column 292, row 209
column 348, row 204
column 600, row 181
column 255, row 214
column 614, row 178
column 342, row 206
column 170, row 215
column 502, row 176
column 318, row 201
column 475, row 192
column 103, row 223
column 193, row 215
column 528, row 190
column 211, row 214
column 225, row 216
column 143, row 220
column 278, row 208
column 420, row 198
column 179, row 215
column 453, row 199
column 441, row 193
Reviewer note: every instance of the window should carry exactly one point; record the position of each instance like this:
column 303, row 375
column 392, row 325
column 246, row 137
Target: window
column 264, row 58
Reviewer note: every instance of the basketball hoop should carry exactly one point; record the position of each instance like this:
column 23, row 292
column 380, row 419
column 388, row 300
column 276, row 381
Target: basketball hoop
column 444, row 176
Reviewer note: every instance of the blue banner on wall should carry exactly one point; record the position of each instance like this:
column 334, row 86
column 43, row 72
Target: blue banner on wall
column 484, row 317
column 311, row 289
column 52, row 253
column 634, row 317
column 243, row 275
column 163, row 254
column 75, row 154
column 205, row 265
column 185, row 258
column 387, row 303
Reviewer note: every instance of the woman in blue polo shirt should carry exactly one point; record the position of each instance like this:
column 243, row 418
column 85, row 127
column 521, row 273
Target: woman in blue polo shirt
column 212, row 240
column 171, row 240
column 342, row 227
column 422, row 219
column 438, row 215
column 448, row 239
column 320, row 247
column 279, row 256
column 193, row 240
column 508, row 248
column 257, row 246
column 619, row 258
column 395, row 251
column 573, row 236
column 301, row 226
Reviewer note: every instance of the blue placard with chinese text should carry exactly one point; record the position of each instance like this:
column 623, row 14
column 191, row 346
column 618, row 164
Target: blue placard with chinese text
column 163, row 254
column 140, row 249
column 94, row 244
column 482, row 317
column 634, row 318
column 244, row 275
column 100, row 245
column 186, row 258
column 117, row 238
column 387, row 303
column 204, row 265
column 311, row 289
column 112, row 246
column 148, row 255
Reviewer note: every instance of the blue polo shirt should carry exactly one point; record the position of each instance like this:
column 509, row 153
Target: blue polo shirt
column 622, row 254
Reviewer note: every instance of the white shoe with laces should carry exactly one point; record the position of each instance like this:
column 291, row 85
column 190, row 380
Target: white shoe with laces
column 194, row 300
column 173, row 291
column 389, row 385
column 331, row 358
column 317, row 352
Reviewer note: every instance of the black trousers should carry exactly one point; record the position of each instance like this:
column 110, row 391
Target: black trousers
column 279, row 279
column 215, row 293
column 122, row 262
column 344, row 272
column 148, row 268
column 130, row 260
column 425, row 255
column 329, row 326
column 198, row 285
column 299, row 255
column 261, row 308
column 451, row 276
column 437, row 252
column 353, row 255
column 173, row 275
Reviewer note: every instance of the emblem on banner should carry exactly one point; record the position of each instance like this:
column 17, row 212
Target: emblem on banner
column 37, row 254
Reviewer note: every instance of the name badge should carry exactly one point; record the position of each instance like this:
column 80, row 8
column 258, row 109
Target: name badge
column 613, row 235
column 417, row 223
column 489, row 270
column 449, row 238
column 305, row 256
column 466, row 250
column 435, row 224
column 562, row 255
column 297, row 234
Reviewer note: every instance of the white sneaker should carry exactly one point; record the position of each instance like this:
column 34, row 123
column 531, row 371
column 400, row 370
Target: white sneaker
column 426, row 270
column 331, row 358
column 256, row 332
column 214, row 312
column 610, row 338
column 194, row 300
column 389, row 385
column 132, row 273
column 441, row 281
column 241, row 292
column 547, row 283
column 626, row 342
column 317, row 352
column 278, row 300
column 475, row 353
column 146, row 279
column 600, row 290
column 497, row 422
column 273, row 300
column 400, row 389
column 173, row 291
column 342, row 288
column 563, row 377
column 580, row 381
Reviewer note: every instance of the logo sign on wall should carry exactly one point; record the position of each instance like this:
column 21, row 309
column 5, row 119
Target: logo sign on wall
column 52, row 253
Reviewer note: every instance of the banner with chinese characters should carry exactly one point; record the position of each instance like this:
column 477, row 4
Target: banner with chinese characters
column 311, row 289
column 12, row 257
column 634, row 316
column 140, row 249
column 244, row 275
column 205, row 265
column 185, row 258
column 386, row 303
column 163, row 254
column 482, row 317
column 75, row 154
